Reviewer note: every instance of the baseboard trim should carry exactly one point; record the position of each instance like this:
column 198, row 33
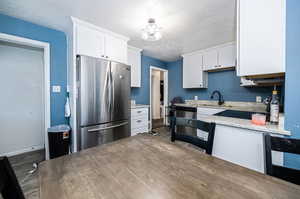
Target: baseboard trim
column 25, row 150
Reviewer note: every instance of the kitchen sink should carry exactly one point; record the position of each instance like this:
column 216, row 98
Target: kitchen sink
column 236, row 114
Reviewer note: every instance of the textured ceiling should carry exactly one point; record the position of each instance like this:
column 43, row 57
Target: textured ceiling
column 188, row 25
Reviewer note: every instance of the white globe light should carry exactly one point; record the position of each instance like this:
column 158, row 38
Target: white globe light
column 151, row 32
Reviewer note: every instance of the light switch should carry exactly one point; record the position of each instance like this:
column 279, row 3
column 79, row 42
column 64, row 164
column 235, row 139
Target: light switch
column 56, row 89
column 258, row 99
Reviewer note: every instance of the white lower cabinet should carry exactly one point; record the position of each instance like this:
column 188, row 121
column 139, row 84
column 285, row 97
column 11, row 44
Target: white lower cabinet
column 205, row 111
column 243, row 147
column 139, row 120
column 240, row 146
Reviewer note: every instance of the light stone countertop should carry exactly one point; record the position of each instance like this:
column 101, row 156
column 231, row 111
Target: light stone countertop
column 235, row 122
column 139, row 106
column 245, row 124
column 228, row 105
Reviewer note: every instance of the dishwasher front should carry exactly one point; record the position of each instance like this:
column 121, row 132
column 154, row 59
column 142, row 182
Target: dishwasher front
column 188, row 113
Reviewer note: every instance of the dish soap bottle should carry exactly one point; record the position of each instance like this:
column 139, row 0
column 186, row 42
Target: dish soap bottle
column 274, row 107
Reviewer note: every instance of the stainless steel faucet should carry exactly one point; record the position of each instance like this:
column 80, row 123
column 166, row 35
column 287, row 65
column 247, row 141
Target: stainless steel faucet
column 221, row 100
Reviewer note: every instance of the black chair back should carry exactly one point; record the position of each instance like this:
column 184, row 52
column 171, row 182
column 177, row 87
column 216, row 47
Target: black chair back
column 204, row 126
column 9, row 185
column 283, row 145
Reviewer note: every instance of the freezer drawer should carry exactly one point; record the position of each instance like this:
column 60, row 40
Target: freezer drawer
column 101, row 134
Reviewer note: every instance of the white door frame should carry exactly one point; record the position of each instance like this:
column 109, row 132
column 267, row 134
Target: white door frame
column 166, row 86
column 46, row 49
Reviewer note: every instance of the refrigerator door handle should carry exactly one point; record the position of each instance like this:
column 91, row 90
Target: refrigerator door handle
column 110, row 88
column 106, row 128
column 112, row 93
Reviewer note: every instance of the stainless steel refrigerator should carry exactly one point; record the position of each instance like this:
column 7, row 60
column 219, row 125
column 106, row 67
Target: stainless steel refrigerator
column 103, row 101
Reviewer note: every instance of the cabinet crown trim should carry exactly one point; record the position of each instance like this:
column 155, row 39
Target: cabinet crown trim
column 209, row 49
column 77, row 21
column 134, row 48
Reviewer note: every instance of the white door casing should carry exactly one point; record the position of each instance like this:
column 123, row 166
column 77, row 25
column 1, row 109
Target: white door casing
column 166, row 86
column 46, row 78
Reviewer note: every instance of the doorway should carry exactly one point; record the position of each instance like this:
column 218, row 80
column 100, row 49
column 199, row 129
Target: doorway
column 25, row 99
column 158, row 96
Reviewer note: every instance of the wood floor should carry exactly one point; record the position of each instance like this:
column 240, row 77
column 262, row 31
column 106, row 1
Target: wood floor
column 157, row 123
column 145, row 166
column 29, row 183
column 21, row 165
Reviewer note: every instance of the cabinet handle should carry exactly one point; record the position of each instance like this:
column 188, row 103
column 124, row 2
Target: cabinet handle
column 106, row 56
column 102, row 55
column 139, row 121
column 139, row 111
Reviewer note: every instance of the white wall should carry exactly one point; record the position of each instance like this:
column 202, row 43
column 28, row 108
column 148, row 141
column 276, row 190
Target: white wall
column 155, row 86
column 22, row 99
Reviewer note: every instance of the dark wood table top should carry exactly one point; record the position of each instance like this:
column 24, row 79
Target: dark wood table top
column 147, row 167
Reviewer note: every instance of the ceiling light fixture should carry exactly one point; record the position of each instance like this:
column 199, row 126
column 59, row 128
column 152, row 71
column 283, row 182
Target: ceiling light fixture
column 152, row 32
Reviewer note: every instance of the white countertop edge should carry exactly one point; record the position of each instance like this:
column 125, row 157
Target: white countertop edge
column 237, row 108
column 262, row 129
column 236, row 122
column 140, row 106
column 245, row 124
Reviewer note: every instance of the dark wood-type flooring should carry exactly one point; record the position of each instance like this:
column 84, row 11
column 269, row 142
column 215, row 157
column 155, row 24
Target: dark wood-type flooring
column 145, row 166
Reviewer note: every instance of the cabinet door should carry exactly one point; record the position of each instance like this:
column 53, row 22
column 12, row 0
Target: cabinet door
column 261, row 37
column 210, row 60
column 192, row 71
column 205, row 112
column 227, row 56
column 89, row 42
column 240, row 146
column 134, row 60
column 116, row 48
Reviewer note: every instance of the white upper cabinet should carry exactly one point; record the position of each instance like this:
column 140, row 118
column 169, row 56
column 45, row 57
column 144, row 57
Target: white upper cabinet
column 192, row 71
column 227, row 56
column 219, row 57
column 210, row 59
column 89, row 42
column 116, row 48
column 97, row 42
column 134, row 60
column 261, row 37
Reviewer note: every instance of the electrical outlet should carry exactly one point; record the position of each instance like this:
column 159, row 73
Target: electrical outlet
column 258, row 99
column 56, row 89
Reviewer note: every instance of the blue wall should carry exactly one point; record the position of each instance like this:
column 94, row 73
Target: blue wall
column 141, row 95
column 292, row 81
column 226, row 81
column 58, row 57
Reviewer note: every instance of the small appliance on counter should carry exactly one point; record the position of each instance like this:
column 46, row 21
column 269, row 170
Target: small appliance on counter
column 259, row 119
